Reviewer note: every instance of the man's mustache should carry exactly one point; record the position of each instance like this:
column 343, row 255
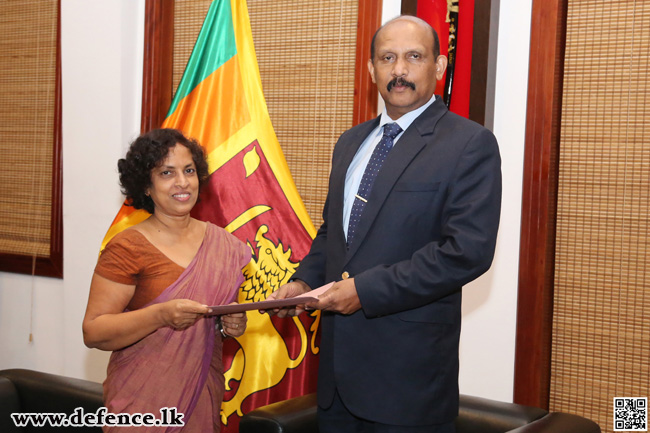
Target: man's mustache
column 399, row 81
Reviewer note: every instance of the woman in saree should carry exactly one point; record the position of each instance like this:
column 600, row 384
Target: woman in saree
column 153, row 285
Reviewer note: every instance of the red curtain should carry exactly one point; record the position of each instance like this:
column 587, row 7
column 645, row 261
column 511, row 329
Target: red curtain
column 435, row 12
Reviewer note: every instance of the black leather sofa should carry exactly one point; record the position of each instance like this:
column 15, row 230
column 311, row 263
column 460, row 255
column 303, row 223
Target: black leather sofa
column 476, row 415
column 27, row 391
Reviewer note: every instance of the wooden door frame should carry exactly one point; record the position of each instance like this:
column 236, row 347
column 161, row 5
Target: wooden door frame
column 539, row 204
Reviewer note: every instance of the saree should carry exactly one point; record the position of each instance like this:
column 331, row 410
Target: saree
column 181, row 369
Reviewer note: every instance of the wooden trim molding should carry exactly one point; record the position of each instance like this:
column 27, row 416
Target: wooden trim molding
column 55, row 264
column 157, row 70
column 539, row 202
column 365, row 91
column 51, row 266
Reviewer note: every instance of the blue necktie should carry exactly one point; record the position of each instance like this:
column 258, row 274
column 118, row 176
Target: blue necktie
column 391, row 130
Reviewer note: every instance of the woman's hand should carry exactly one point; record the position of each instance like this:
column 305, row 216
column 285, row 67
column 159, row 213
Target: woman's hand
column 182, row 313
column 107, row 326
column 234, row 324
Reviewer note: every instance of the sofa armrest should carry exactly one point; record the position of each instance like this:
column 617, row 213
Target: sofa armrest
column 44, row 392
column 559, row 422
column 491, row 416
column 296, row 415
column 9, row 403
column 476, row 414
column 28, row 391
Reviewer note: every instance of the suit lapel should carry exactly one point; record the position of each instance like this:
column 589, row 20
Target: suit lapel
column 409, row 145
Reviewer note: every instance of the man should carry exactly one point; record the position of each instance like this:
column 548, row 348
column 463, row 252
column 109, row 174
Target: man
column 400, row 247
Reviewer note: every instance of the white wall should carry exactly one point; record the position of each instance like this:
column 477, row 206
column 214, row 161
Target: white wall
column 490, row 303
column 102, row 62
column 102, row 75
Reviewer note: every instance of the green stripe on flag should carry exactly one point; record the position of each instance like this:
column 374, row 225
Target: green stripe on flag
column 214, row 47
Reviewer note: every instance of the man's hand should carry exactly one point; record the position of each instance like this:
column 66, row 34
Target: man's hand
column 289, row 290
column 341, row 298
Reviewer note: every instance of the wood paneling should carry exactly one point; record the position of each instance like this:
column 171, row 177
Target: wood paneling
column 536, row 261
column 157, row 67
column 365, row 92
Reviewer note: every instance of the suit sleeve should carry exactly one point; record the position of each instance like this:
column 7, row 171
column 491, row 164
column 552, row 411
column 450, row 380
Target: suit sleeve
column 312, row 267
column 465, row 249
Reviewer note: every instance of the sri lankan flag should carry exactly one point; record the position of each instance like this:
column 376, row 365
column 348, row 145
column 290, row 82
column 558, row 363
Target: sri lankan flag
column 219, row 101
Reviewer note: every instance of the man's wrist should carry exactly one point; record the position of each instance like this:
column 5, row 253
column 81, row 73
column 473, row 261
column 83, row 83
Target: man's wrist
column 302, row 284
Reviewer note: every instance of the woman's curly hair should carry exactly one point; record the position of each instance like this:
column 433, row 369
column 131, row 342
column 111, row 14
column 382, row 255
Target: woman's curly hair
column 147, row 152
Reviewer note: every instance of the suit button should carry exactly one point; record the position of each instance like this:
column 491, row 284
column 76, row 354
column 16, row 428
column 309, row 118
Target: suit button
column 345, row 275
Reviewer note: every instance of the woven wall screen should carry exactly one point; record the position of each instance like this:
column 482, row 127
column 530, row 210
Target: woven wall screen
column 28, row 41
column 306, row 55
column 601, row 322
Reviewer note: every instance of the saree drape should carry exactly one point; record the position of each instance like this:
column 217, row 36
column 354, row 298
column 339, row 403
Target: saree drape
column 181, row 369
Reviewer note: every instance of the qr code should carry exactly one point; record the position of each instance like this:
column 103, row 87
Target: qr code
column 631, row 414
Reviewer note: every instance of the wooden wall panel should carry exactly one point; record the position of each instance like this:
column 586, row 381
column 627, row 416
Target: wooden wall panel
column 537, row 245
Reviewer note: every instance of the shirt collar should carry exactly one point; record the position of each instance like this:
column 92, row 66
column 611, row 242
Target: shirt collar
column 405, row 121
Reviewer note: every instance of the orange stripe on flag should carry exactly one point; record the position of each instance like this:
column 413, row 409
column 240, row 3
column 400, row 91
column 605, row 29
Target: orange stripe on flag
column 125, row 218
column 213, row 120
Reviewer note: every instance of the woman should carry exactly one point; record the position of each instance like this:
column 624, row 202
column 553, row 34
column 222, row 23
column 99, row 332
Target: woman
column 152, row 287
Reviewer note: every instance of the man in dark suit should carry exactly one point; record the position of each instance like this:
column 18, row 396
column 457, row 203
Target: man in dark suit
column 402, row 233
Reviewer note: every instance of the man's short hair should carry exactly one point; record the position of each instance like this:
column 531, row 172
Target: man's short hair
column 436, row 40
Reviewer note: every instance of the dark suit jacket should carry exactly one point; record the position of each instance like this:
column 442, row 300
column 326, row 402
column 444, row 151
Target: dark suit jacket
column 429, row 227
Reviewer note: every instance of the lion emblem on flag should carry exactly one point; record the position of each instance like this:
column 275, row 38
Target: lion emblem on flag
column 270, row 268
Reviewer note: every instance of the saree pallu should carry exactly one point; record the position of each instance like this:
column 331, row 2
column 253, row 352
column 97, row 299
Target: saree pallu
column 181, row 369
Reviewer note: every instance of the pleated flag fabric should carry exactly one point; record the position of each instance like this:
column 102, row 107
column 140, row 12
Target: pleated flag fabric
column 251, row 193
